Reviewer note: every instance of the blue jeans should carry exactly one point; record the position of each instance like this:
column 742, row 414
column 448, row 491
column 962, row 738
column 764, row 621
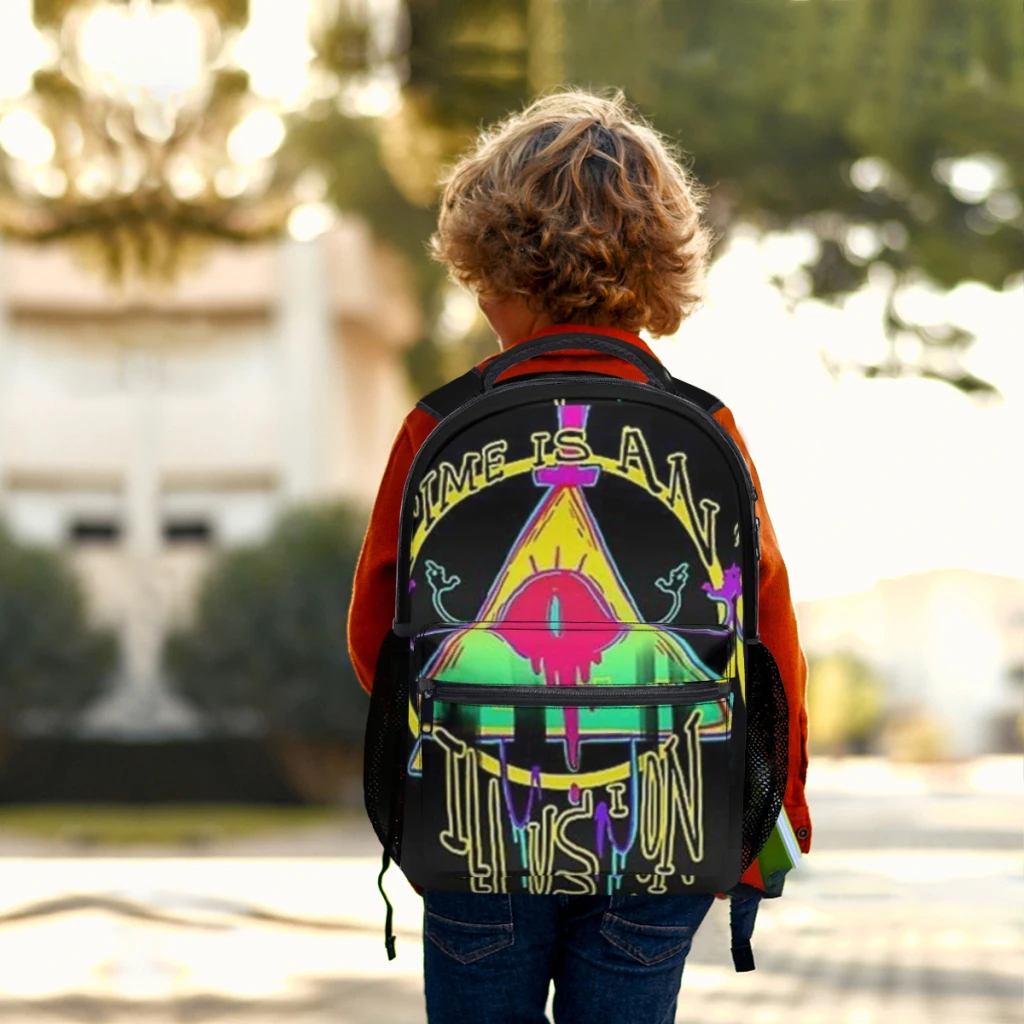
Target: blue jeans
column 488, row 959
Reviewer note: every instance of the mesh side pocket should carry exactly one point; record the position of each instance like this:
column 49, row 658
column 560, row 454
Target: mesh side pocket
column 386, row 748
column 767, row 750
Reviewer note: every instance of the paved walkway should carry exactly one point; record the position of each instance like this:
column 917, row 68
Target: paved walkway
column 910, row 911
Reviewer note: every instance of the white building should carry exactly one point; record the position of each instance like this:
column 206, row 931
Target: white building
column 949, row 642
column 143, row 430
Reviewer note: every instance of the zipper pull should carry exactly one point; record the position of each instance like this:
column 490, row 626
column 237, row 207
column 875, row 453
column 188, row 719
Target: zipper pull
column 427, row 711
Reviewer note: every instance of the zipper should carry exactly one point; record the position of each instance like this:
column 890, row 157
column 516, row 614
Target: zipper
column 582, row 625
column 564, row 696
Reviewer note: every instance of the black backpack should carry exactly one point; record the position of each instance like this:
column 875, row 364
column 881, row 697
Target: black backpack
column 573, row 697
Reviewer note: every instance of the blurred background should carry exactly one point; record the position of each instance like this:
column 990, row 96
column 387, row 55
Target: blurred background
column 215, row 309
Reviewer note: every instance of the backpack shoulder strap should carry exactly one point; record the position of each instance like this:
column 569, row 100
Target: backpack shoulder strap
column 742, row 913
column 707, row 401
column 446, row 399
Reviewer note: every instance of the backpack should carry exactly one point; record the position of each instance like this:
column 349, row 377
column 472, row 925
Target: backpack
column 573, row 697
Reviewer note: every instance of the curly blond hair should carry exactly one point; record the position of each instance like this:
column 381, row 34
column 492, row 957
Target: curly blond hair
column 579, row 206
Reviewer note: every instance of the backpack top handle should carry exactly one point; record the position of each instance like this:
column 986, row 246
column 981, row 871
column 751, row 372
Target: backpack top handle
column 655, row 373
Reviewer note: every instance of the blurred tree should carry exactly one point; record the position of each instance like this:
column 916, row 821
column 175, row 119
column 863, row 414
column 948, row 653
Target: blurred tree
column 844, row 704
column 52, row 663
column 267, row 648
column 891, row 129
column 467, row 63
column 915, row 734
column 267, row 644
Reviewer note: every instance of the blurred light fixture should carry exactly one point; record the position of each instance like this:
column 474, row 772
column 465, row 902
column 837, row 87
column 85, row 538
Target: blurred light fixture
column 50, row 181
column 23, row 51
column 24, row 137
column 309, row 221
column 230, row 182
column 134, row 129
column 142, row 52
column 256, row 137
column 274, row 50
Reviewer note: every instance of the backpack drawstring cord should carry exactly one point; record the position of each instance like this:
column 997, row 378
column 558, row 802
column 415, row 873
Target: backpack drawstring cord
column 389, row 934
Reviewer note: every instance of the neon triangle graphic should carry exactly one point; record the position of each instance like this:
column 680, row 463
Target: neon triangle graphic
column 559, row 614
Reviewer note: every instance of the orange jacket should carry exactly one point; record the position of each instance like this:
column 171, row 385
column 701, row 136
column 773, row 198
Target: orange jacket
column 373, row 595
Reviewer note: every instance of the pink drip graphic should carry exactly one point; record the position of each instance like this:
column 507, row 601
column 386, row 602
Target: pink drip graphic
column 558, row 619
column 562, row 625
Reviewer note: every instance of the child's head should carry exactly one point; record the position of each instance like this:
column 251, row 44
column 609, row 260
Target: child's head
column 582, row 210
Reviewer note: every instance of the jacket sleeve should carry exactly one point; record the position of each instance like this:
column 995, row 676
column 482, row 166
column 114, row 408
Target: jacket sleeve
column 778, row 629
column 373, row 590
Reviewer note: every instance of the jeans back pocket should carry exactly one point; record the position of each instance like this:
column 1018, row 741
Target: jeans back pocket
column 654, row 929
column 468, row 926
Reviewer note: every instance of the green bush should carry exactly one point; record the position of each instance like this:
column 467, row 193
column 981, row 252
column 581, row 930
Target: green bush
column 52, row 662
column 268, row 641
column 845, row 699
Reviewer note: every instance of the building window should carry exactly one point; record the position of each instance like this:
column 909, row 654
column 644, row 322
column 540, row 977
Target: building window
column 188, row 531
column 94, row 530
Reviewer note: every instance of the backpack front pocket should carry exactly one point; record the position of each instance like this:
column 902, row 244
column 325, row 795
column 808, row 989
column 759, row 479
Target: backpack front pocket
column 586, row 788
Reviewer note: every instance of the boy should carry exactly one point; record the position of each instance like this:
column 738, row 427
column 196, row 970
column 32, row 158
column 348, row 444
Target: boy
column 572, row 215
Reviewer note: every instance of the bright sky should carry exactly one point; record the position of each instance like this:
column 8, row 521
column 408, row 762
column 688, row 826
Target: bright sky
column 863, row 479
